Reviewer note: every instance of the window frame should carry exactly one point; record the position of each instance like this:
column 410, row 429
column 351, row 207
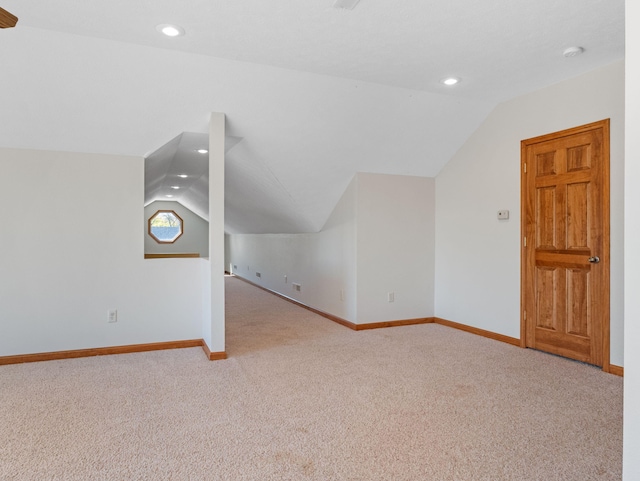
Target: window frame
column 165, row 211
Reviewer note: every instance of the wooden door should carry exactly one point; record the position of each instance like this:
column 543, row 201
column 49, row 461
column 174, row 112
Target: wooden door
column 565, row 243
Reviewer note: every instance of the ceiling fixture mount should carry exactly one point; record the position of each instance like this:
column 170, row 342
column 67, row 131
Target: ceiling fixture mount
column 183, row 176
column 345, row 4
column 170, row 30
column 450, row 81
column 7, row 20
column 175, row 187
column 202, row 151
column 573, row 51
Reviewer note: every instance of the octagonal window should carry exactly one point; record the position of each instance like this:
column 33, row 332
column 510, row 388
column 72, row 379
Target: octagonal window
column 165, row 226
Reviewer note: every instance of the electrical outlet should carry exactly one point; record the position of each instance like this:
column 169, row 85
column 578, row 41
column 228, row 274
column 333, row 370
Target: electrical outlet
column 258, row 274
column 503, row 214
column 112, row 315
column 391, row 296
column 296, row 287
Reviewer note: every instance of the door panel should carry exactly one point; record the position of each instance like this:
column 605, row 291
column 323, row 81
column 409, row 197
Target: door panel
column 548, row 283
column 577, row 315
column 565, row 222
column 546, row 217
column 578, row 196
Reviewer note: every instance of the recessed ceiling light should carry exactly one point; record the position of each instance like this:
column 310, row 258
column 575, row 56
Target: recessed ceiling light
column 202, row 151
column 573, row 51
column 175, row 187
column 170, row 30
column 169, row 195
column 183, row 176
column 450, row 81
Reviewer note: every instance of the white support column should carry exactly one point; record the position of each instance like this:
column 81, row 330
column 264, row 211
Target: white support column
column 213, row 309
column 631, row 462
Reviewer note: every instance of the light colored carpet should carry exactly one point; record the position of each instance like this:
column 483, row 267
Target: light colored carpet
column 303, row 398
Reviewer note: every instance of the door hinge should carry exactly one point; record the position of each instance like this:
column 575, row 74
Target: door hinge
column 524, row 240
column 525, row 167
column 525, row 315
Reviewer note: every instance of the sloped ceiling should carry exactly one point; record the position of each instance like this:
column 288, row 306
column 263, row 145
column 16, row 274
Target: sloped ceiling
column 177, row 171
column 315, row 93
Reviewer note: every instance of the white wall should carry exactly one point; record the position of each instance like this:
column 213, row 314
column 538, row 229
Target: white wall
column 379, row 239
column 72, row 247
column 632, row 241
column 335, row 255
column 195, row 231
column 477, row 256
column 323, row 263
column 395, row 247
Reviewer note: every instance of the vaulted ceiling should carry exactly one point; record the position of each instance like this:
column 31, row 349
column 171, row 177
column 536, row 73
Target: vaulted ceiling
column 312, row 93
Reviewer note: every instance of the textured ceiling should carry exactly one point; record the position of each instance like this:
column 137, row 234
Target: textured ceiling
column 316, row 93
